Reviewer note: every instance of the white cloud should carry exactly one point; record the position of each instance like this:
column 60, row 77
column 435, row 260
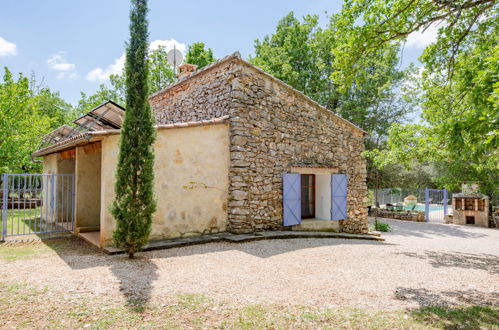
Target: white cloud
column 420, row 39
column 7, row 48
column 59, row 62
column 168, row 44
column 102, row 74
column 68, row 75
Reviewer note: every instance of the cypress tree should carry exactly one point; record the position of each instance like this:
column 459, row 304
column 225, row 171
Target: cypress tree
column 134, row 203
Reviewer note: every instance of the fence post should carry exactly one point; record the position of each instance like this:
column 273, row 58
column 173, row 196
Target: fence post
column 427, row 204
column 445, row 202
column 73, row 209
column 52, row 200
column 5, row 206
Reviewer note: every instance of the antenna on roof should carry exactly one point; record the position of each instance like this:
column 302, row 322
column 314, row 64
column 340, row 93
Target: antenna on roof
column 174, row 58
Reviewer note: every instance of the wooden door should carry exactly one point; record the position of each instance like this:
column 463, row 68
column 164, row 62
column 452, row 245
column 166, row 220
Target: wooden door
column 307, row 196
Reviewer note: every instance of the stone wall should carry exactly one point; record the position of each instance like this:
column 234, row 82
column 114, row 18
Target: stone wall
column 203, row 98
column 276, row 128
column 403, row 215
column 272, row 129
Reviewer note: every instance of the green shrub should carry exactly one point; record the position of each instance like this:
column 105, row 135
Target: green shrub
column 381, row 226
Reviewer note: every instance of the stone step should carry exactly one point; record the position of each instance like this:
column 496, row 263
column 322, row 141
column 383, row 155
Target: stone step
column 317, row 225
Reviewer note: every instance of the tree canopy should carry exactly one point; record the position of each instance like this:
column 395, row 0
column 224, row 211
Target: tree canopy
column 368, row 25
column 27, row 112
column 301, row 54
column 198, row 55
column 459, row 131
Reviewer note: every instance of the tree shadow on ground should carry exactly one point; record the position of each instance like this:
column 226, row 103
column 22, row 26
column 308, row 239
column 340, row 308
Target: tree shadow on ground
column 487, row 262
column 264, row 248
column 461, row 309
column 429, row 230
column 468, row 317
column 427, row 298
column 135, row 276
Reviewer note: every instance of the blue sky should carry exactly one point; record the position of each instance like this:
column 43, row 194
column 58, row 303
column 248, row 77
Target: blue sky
column 74, row 45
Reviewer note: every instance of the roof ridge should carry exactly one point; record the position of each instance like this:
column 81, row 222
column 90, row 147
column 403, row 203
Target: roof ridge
column 236, row 54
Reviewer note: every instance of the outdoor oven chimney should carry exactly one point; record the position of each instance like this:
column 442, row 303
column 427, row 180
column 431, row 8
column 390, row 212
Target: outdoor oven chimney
column 186, row 70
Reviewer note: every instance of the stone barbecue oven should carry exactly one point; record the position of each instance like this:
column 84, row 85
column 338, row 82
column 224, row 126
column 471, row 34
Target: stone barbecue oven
column 470, row 207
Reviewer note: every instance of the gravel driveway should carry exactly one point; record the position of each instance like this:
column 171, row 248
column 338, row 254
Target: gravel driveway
column 419, row 264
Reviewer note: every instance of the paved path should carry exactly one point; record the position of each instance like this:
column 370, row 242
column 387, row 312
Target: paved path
column 419, row 264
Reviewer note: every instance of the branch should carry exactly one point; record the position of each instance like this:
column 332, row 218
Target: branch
column 456, row 46
column 470, row 4
column 398, row 13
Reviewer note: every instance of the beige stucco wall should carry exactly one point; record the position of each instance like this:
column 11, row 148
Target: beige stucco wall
column 191, row 182
column 50, row 164
column 57, row 210
column 88, row 185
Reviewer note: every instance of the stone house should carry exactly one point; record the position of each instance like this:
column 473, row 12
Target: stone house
column 237, row 150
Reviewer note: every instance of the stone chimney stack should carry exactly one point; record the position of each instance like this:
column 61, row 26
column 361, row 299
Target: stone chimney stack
column 186, row 70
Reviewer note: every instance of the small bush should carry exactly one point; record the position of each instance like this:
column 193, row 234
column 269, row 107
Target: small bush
column 381, row 226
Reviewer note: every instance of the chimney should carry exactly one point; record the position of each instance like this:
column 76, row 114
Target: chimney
column 186, row 70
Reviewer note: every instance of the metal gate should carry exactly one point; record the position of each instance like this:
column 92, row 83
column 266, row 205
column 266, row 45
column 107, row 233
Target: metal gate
column 436, row 202
column 37, row 204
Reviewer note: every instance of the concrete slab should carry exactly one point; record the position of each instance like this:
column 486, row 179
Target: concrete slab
column 92, row 237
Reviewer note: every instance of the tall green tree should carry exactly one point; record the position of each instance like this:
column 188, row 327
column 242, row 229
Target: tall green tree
column 460, row 128
column 27, row 112
column 198, row 55
column 134, row 203
column 459, row 131
column 301, row 54
column 103, row 94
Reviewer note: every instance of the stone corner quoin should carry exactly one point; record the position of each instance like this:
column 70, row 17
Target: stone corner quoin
column 272, row 128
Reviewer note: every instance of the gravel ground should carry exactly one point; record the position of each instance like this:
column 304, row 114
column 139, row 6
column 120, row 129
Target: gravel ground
column 419, row 264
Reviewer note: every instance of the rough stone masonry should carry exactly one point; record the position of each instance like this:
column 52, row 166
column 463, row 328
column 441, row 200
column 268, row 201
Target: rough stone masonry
column 272, row 128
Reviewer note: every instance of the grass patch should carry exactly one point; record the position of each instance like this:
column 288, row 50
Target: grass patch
column 25, row 306
column 193, row 301
column 19, row 253
column 33, row 249
column 24, row 221
column 28, row 222
column 467, row 317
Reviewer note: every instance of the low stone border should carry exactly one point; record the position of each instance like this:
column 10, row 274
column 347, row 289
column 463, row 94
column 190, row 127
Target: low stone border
column 415, row 216
column 227, row 237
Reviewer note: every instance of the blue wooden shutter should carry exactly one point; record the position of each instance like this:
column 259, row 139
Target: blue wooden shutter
column 291, row 199
column 339, row 183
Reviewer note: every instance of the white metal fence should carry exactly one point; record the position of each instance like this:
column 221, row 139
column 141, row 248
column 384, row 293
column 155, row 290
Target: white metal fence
column 34, row 204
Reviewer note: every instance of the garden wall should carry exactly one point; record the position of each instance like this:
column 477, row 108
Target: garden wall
column 400, row 215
